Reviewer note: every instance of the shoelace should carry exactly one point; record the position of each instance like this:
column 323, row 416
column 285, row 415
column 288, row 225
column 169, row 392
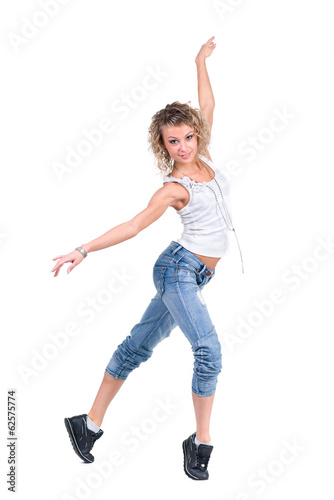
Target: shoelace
column 201, row 460
column 94, row 438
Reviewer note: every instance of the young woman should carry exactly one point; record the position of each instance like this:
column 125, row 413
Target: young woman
column 179, row 136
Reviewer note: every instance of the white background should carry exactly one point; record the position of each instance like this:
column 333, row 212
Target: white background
column 276, row 384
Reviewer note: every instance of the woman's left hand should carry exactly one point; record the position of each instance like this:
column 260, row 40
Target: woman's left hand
column 206, row 49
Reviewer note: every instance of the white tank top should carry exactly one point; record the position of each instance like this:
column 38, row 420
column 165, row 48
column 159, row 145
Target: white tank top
column 204, row 230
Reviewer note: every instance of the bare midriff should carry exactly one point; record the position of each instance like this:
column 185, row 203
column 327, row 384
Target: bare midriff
column 210, row 262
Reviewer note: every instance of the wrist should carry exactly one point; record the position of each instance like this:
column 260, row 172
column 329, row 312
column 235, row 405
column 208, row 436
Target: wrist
column 200, row 59
column 86, row 247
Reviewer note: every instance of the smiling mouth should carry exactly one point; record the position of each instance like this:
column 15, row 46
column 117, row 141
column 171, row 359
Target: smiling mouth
column 185, row 156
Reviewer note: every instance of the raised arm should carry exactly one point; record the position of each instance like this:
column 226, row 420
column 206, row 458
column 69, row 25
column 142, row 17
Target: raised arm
column 158, row 204
column 205, row 95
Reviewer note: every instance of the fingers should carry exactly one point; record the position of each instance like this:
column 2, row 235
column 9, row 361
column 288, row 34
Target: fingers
column 56, row 269
column 74, row 264
column 59, row 264
column 56, row 272
column 210, row 44
column 74, row 258
column 69, row 269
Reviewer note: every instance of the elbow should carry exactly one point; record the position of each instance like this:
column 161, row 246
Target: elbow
column 134, row 229
column 207, row 105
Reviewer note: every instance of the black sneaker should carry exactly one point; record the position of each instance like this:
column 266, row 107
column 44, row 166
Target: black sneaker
column 196, row 458
column 81, row 437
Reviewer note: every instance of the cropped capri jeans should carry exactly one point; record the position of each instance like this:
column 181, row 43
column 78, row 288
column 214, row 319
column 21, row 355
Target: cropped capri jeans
column 179, row 277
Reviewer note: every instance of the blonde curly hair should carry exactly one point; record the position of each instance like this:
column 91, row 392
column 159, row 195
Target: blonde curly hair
column 176, row 114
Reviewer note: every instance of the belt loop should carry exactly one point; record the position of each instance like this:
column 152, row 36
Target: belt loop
column 176, row 249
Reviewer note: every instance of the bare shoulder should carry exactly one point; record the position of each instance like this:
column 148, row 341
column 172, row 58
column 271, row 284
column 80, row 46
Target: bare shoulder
column 178, row 193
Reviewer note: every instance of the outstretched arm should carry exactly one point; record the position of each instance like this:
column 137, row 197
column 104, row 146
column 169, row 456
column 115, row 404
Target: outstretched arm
column 205, row 95
column 156, row 207
column 158, row 204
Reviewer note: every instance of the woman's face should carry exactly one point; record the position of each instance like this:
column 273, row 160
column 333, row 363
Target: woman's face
column 181, row 142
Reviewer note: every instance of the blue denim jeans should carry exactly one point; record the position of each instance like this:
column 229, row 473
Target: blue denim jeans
column 179, row 277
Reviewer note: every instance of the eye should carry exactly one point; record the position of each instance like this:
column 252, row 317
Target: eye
column 173, row 141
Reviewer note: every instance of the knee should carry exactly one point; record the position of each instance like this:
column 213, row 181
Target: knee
column 126, row 358
column 131, row 353
column 207, row 362
column 207, row 350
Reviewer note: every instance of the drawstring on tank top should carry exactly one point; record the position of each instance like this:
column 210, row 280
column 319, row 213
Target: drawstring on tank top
column 225, row 207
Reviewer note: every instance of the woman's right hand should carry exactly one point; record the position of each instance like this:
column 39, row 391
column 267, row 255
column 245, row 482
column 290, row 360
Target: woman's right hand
column 206, row 49
column 75, row 257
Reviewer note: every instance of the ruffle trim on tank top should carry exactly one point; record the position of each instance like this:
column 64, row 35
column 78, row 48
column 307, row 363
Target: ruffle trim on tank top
column 194, row 186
